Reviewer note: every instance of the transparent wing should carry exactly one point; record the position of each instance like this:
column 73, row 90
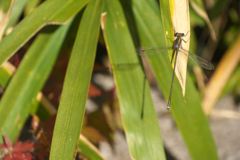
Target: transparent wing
column 198, row 60
column 156, row 50
column 152, row 51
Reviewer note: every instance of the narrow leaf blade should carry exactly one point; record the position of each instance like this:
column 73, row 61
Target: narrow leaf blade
column 76, row 84
column 34, row 69
column 137, row 110
column 189, row 116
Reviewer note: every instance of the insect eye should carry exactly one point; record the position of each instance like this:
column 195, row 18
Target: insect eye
column 175, row 35
column 182, row 34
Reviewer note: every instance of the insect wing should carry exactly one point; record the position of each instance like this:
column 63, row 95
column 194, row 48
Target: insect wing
column 152, row 51
column 198, row 60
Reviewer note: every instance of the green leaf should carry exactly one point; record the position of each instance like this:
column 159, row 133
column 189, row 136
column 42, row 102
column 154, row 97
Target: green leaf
column 233, row 84
column 167, row 19
column 42, row 107
column 31, row 5
column 218, row 8
column 40, row 104
column 5, row 4
column 136, row 106
column 198, row 7
column 6, row 72
column 16, row 12
column 195, row 19
column 50, row 12
column 88, row 149
column 28, row 80
column 189, row 116
column 76, row 84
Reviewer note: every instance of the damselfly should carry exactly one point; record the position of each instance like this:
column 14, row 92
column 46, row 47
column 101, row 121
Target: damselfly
column 177, row 48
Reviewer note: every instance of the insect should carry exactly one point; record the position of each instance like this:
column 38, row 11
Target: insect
column 177, row 48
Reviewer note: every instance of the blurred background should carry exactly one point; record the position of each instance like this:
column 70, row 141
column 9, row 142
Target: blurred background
column 216, row 39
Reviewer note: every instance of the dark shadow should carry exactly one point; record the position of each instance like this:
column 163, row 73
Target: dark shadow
column 128, row 13
column 143, row 95
column 25, row 133
column 168, row 155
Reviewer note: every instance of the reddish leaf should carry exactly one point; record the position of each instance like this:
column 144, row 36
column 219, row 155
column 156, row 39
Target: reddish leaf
column 17, row 152
column 18, row 156
column 94, row 91
column 23, row 147
column 8, row 157
column 7, row 141
column 3, row 146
